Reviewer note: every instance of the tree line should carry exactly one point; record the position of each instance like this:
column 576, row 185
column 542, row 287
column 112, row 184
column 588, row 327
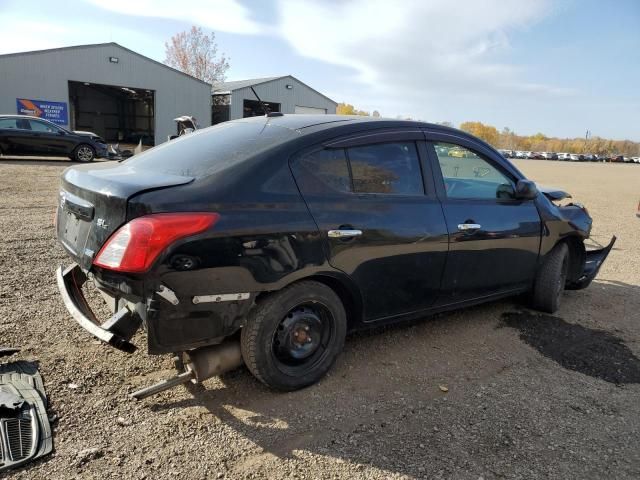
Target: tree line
column 509, row 140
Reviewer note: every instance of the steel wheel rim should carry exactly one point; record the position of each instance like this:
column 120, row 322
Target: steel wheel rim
column 302, row 338
column 85, row 154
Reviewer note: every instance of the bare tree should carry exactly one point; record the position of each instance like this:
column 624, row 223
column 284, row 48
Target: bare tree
column 196, row 53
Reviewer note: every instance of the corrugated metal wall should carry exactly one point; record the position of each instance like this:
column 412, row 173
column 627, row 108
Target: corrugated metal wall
column 276, row 91
column 45, row 75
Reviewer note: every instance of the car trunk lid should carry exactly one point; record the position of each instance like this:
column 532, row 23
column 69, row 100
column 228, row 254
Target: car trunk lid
column 92, row 204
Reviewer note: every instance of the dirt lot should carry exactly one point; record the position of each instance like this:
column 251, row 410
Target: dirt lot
column 528, row 396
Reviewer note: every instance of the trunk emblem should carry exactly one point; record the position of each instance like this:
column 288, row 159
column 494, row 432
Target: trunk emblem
column 102, row 223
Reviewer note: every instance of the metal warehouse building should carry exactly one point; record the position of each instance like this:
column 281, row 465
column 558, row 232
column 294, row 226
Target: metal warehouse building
column 104, row 88
column 284, row 94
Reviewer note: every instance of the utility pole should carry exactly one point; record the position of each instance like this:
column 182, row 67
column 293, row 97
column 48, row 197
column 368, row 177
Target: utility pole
column 587, row 136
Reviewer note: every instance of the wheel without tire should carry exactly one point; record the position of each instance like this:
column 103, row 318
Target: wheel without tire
column 293, row 337
column 551, row 279
column 84, row 153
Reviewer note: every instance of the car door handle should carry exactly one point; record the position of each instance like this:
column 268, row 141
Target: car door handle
column 469, row 226
column 344, row 233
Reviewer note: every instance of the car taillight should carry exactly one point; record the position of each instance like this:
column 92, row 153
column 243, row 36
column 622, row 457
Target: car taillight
column 136, row 245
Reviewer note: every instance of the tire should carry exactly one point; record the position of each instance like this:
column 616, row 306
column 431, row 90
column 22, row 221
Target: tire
column 551, row 279
column 84, row 153
column 307, row 310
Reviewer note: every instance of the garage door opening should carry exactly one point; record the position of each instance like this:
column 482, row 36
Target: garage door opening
column 117, row 114
column 253, row 108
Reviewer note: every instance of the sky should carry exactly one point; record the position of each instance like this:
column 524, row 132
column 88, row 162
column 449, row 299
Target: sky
column 557, row 67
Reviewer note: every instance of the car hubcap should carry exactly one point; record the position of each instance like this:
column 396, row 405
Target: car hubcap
column 85, row 154
column 302, row 336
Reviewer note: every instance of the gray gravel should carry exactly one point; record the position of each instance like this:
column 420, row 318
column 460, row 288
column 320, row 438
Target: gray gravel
column 510, row 411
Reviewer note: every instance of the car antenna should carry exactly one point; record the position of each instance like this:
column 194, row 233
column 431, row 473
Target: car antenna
column 267, row 113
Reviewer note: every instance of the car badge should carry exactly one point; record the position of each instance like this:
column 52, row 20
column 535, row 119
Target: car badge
column 102, row 223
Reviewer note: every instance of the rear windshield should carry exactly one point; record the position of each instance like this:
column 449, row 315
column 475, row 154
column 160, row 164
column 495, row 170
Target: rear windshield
column 211, row 150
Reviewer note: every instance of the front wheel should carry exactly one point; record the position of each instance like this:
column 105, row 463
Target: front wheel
column 551, row 279
column 293, row 337
column 84, row 153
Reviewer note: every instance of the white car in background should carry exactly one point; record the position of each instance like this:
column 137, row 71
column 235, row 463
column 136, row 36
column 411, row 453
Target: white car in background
column 563, row 156
column 576, row 157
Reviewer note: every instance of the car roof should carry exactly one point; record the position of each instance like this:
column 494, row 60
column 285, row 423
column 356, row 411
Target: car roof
column 301, row 121
column 9, row 115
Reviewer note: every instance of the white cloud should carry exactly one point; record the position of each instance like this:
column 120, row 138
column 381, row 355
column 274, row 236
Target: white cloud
column 221, row 15
column 412, row 50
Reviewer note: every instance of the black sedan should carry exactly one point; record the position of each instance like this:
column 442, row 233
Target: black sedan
column 24, row 135
column 273, row 237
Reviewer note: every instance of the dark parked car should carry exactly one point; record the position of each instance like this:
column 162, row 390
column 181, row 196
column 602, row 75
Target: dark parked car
column 24, row 135
column 289, row 231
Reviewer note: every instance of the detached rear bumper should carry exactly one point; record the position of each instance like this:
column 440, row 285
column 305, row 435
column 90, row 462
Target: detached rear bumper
column 593, row 262
column 117, row 331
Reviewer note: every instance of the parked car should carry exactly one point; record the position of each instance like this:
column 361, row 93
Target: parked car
column 549, row 155
column 290, row 231
column 564, row 156
column 576, row 157
column 507, row 153
column 524, row 154
column 535, row 156
column 25, row 135
column 616, row 158
column 635, row 159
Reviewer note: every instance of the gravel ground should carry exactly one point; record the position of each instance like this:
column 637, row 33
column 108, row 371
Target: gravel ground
column 522, row 401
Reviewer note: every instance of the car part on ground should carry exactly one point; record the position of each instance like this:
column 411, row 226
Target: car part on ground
column 25, row 433
column 291, row 230
column 6, row 351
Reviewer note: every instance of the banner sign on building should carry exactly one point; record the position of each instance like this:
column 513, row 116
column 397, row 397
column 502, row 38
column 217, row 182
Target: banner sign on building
column 55, row 112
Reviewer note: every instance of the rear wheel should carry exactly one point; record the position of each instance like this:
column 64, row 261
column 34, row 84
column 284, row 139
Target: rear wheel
column 84, row 153
column 551, row 280
column 293, row 337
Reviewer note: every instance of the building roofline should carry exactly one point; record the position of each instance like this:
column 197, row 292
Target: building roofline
column 227, row 92
column 91, row 45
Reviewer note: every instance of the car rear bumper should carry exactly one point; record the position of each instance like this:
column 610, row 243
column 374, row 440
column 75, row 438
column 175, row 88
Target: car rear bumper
column 172, row 324
column 593, row 261
column 117, row 331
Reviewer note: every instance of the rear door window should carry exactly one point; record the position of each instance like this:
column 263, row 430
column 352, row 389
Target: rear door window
column 387, row 168
column 323, row 171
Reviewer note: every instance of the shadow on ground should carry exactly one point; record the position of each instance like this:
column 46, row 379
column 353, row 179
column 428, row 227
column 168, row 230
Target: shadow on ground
column 596, row 353
column 369, row 414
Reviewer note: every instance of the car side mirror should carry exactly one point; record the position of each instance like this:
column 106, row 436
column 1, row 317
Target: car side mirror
column 526, row 190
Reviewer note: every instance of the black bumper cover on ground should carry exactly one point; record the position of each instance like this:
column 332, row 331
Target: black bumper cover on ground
column 117, row 331
column 593, row 262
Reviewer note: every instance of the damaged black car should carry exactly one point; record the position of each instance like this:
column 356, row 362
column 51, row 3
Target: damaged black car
column 266, row 240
